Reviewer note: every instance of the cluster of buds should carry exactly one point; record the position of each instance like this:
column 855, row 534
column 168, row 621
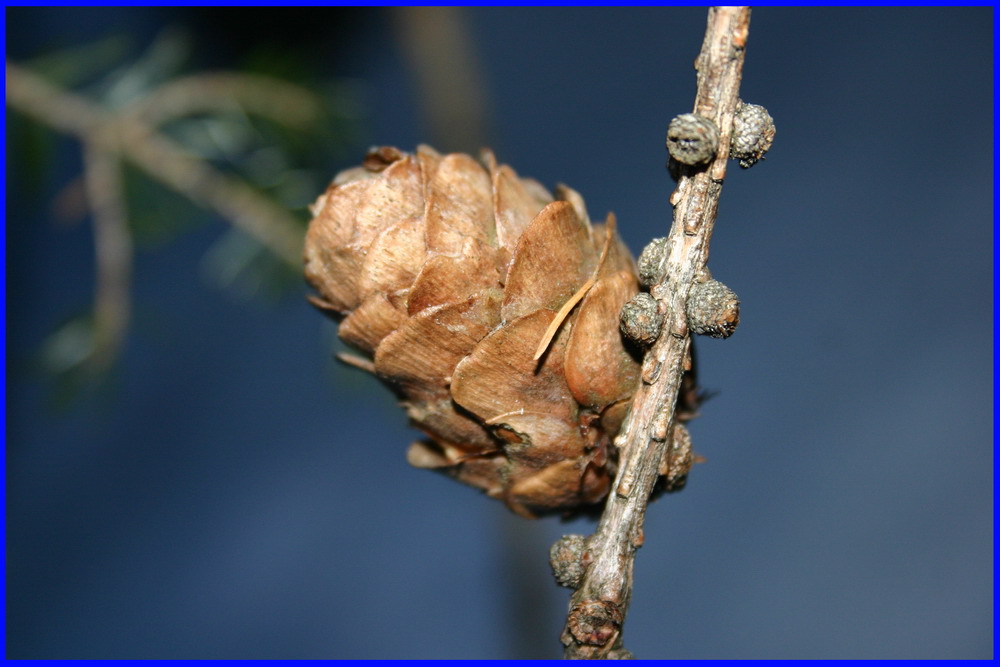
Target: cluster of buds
column 694, row 140
column 711, row 309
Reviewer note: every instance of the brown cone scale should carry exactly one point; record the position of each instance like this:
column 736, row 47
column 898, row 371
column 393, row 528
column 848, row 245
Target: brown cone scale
column 490, row 308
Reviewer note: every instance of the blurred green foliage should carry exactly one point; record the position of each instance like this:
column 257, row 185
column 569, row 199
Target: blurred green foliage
column 288, row 163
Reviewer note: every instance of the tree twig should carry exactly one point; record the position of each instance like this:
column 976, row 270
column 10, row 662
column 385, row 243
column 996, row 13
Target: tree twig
column 164, row 160
column 597, row 609
column 450, row 88
column 113, row 251
column 265, row 96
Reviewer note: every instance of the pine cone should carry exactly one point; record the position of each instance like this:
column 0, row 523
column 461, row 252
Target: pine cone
column 449, row 276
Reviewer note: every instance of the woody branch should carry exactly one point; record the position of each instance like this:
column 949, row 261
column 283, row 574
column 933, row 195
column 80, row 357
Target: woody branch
column 597, row 609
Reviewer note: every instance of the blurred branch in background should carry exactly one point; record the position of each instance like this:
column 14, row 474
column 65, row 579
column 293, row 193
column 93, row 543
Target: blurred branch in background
column 113, row 250
column 449, row 84
column 191, row 134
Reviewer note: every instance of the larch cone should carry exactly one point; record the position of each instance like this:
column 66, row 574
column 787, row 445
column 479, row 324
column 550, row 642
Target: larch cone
column 451, row 275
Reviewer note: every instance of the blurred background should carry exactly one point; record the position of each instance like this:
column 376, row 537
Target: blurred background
column 191, row 475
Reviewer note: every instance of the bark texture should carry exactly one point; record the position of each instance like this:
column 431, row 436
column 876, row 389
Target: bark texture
column 597, row 609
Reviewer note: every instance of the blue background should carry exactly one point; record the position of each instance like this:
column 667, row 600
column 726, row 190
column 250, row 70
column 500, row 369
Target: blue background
column 242, row 496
